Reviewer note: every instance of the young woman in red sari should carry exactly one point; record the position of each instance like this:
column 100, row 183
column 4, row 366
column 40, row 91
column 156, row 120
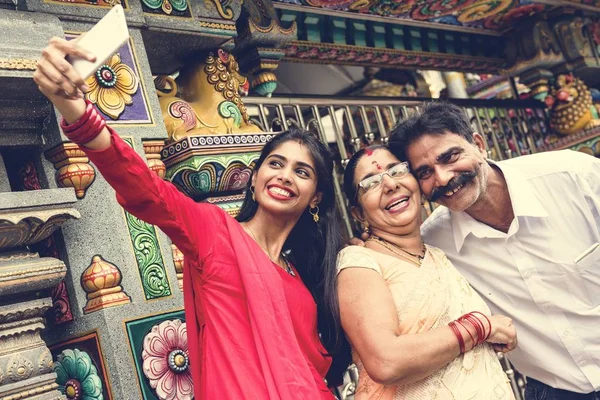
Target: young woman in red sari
column 254, row 288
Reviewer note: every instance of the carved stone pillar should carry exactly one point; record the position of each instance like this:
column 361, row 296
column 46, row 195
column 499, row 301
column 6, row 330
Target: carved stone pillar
column 26, row 367
column 258, row 45
column 24, row 357
column 455, row 84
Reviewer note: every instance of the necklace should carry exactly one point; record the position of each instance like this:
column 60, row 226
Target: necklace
column 394, row 249
column 288, row 268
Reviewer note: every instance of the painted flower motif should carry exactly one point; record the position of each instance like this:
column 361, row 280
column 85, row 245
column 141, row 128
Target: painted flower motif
column 112, row 87
column 77, row 376
column 166, row 361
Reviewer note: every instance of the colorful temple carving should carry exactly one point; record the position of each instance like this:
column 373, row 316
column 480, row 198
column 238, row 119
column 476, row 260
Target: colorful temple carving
column 94, row 295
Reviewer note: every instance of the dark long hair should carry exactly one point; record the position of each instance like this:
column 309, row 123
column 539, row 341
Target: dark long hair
column 313, row 246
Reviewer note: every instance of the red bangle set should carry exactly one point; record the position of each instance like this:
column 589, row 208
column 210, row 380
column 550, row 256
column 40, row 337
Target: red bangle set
column 86, row 128
column 481, row 331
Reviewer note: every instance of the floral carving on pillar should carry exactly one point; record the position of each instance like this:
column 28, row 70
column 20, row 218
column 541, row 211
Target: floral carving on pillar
column 148, row 256
column 152, row 148
column 77, row 376
column 101, row 280
column 18, row 368
column 73, row 168
column 166, row 361
column 112, row 87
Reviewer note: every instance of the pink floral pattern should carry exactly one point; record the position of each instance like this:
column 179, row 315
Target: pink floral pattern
column 166, row 361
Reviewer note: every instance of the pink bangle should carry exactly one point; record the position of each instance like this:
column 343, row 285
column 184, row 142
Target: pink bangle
column 86, row 128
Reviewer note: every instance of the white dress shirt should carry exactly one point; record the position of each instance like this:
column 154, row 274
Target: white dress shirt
column 530, row 273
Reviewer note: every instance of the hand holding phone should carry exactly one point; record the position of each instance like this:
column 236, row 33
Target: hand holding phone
column 103, row 40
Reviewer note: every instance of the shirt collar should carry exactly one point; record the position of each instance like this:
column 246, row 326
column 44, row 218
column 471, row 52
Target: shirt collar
column 524, row 202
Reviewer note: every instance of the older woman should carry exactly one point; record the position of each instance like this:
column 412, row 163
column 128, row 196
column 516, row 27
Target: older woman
column 253, row 287
column 418, row 330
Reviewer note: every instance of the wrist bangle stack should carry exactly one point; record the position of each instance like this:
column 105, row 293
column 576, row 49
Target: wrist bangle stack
column 86, row 128
column 482, row 333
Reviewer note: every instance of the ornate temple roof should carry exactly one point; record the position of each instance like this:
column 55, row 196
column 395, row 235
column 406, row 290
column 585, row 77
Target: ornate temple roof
column 490, row 16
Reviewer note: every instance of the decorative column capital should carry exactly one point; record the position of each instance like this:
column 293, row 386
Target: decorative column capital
column 73, row 168
column 152, row 149
column 258, row 46
column 538, row 80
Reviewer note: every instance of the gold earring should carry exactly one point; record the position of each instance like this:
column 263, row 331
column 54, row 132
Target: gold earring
column 366, row 229
column 253, row 196
column 314, row 214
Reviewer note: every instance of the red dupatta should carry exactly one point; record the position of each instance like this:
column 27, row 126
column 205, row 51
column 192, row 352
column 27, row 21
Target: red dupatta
column 284, row 367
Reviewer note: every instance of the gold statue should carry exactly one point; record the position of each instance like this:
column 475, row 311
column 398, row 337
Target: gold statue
column 570, row 102
column 211, row 101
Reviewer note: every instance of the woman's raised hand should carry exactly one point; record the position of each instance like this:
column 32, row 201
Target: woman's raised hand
column 504, row 335
column 58, row 80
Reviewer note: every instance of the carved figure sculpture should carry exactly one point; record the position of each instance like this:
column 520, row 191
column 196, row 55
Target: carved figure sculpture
column 570, row 102
column 210, row 100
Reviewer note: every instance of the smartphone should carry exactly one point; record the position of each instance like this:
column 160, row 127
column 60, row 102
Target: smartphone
column 103, row 40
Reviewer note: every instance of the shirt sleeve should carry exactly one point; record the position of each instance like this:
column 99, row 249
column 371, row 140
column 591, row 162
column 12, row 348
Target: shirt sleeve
column 190, row 225
column 356, row 257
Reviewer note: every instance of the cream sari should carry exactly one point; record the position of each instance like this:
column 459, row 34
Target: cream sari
column 428, row 297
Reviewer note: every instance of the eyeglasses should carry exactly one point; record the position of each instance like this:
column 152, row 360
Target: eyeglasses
column 371, row 183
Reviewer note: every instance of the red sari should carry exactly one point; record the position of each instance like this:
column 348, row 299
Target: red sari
column 252, row 330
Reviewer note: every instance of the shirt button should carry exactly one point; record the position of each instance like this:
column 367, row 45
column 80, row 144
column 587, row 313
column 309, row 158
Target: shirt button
column 566, row 332
column 527, row 274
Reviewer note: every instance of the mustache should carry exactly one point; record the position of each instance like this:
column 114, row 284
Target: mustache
column 457, row 181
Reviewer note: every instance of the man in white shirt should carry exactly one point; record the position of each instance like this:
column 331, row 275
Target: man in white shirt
column 526, row 234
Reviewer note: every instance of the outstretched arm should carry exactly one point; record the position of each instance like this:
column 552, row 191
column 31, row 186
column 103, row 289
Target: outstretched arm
column 370, row 320
column 139, row 190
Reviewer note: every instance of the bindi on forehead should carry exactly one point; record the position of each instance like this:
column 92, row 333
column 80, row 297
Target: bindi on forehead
column 376, row 164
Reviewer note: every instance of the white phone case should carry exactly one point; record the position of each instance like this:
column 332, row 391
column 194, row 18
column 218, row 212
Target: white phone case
column 103, row 40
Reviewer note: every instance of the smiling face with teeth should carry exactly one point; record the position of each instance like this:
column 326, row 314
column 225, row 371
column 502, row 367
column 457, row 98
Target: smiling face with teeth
column 450, row 170
column 393, row 207
column 286, row 182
